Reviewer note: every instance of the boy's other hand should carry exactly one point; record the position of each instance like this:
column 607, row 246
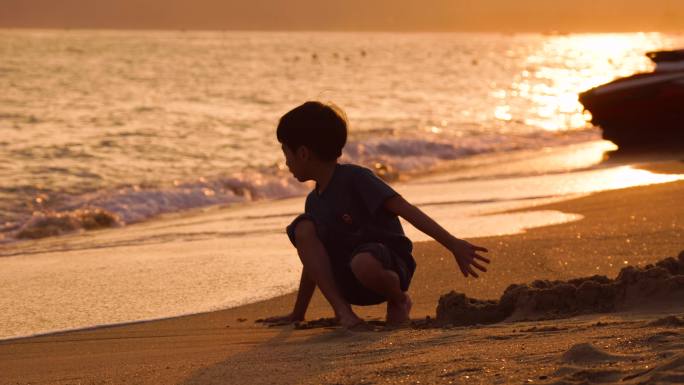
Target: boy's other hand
column 282, row 320
column 467, row 257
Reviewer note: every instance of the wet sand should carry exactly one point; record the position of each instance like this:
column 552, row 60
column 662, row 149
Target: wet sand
column 634, row 226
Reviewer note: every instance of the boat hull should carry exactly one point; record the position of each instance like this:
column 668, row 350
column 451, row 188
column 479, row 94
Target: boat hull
column 643, row 110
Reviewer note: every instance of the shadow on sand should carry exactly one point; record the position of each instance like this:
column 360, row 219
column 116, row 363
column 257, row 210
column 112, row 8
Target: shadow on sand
column 288, row 356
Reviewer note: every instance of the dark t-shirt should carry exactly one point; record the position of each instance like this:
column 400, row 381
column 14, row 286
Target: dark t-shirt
column 350, row 212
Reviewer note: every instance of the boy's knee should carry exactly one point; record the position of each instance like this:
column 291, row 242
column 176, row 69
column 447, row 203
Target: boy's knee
column 365, row 265
column 305, row 229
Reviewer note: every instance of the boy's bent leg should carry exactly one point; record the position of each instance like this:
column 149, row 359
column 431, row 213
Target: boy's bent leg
column 317, row 265
column 372, row 274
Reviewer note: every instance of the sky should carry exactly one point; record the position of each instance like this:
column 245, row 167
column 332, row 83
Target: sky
column 382, row 15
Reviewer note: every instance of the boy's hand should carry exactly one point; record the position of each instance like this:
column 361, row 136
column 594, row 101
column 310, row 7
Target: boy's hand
column 466, row 256
column 282, row 320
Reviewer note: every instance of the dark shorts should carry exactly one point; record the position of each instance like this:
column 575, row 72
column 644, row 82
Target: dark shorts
column 352, row 290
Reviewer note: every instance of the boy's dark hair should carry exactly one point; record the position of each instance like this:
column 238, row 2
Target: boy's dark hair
column 320, row 127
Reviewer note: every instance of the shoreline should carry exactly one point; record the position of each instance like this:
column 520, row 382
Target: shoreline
column 617, row 226
column 222, row 258
column 109, row 291
column 36, row 231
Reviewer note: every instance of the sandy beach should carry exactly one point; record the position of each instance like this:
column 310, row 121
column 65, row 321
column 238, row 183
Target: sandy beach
column 637, row 345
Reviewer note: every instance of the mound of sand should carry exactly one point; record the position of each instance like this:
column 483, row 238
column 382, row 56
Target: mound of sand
column 634, row 287
column 586, row 364
column 588, row 353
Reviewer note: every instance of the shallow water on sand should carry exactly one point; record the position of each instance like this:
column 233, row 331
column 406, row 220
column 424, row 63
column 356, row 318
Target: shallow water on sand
column 222, row 257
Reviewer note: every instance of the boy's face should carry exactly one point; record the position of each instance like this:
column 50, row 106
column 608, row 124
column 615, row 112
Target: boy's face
column 296, row 161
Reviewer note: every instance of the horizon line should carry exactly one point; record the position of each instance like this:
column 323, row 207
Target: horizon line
column 342, row 30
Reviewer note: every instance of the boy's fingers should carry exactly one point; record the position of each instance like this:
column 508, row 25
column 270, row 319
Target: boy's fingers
column 480, row 248
column 463, row 270
column 466, row 269
column 481, row 258
column 482, row 268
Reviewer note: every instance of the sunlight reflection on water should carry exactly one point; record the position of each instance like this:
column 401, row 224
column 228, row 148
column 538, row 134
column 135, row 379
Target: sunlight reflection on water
column 563, row 66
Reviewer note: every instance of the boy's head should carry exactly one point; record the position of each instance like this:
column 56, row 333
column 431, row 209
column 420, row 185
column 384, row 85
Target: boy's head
column 313, row 136
column 321, row 128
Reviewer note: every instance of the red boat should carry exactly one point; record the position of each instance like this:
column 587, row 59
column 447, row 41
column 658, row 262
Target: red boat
column 643, row 110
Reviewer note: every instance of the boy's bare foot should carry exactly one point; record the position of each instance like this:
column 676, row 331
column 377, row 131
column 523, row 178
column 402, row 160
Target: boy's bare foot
column 350, row 321
column 361, row 326
column 398, row 312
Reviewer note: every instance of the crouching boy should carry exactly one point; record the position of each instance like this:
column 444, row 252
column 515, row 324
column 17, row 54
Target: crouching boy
column 349, row 239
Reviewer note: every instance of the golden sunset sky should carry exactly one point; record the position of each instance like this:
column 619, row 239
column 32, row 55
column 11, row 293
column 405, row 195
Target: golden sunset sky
column 391, row 15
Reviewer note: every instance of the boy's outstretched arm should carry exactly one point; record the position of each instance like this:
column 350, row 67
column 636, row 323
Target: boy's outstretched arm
column 464, row 252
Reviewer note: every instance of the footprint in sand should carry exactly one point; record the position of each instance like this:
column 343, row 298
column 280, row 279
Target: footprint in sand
column 666, row 337
column 669, row 321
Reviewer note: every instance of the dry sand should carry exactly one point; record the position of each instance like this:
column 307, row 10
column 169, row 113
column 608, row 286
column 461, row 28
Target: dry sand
column 642, row 345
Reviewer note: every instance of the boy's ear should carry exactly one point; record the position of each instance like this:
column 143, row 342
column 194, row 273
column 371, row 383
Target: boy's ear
column 303, row 153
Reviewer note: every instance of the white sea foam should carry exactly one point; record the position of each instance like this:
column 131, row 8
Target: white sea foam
column 135, row 204
column 412, row 155
column 390, row 157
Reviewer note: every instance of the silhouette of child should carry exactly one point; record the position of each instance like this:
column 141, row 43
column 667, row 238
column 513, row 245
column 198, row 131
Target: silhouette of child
column 349, row 239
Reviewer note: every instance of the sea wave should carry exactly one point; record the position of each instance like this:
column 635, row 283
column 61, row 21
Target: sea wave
column 390, row 157
column 131, row 204
column 408, row 155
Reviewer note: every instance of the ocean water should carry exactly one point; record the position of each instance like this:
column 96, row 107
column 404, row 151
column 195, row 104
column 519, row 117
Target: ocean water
column 107, row 128
column 140, row 177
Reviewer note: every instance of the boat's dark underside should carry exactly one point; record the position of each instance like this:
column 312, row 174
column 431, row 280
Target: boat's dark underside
column 650, row 116
column 660, row 133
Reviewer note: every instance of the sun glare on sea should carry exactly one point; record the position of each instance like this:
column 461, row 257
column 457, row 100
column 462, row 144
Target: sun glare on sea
column 564, row 66
column 628, row 176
